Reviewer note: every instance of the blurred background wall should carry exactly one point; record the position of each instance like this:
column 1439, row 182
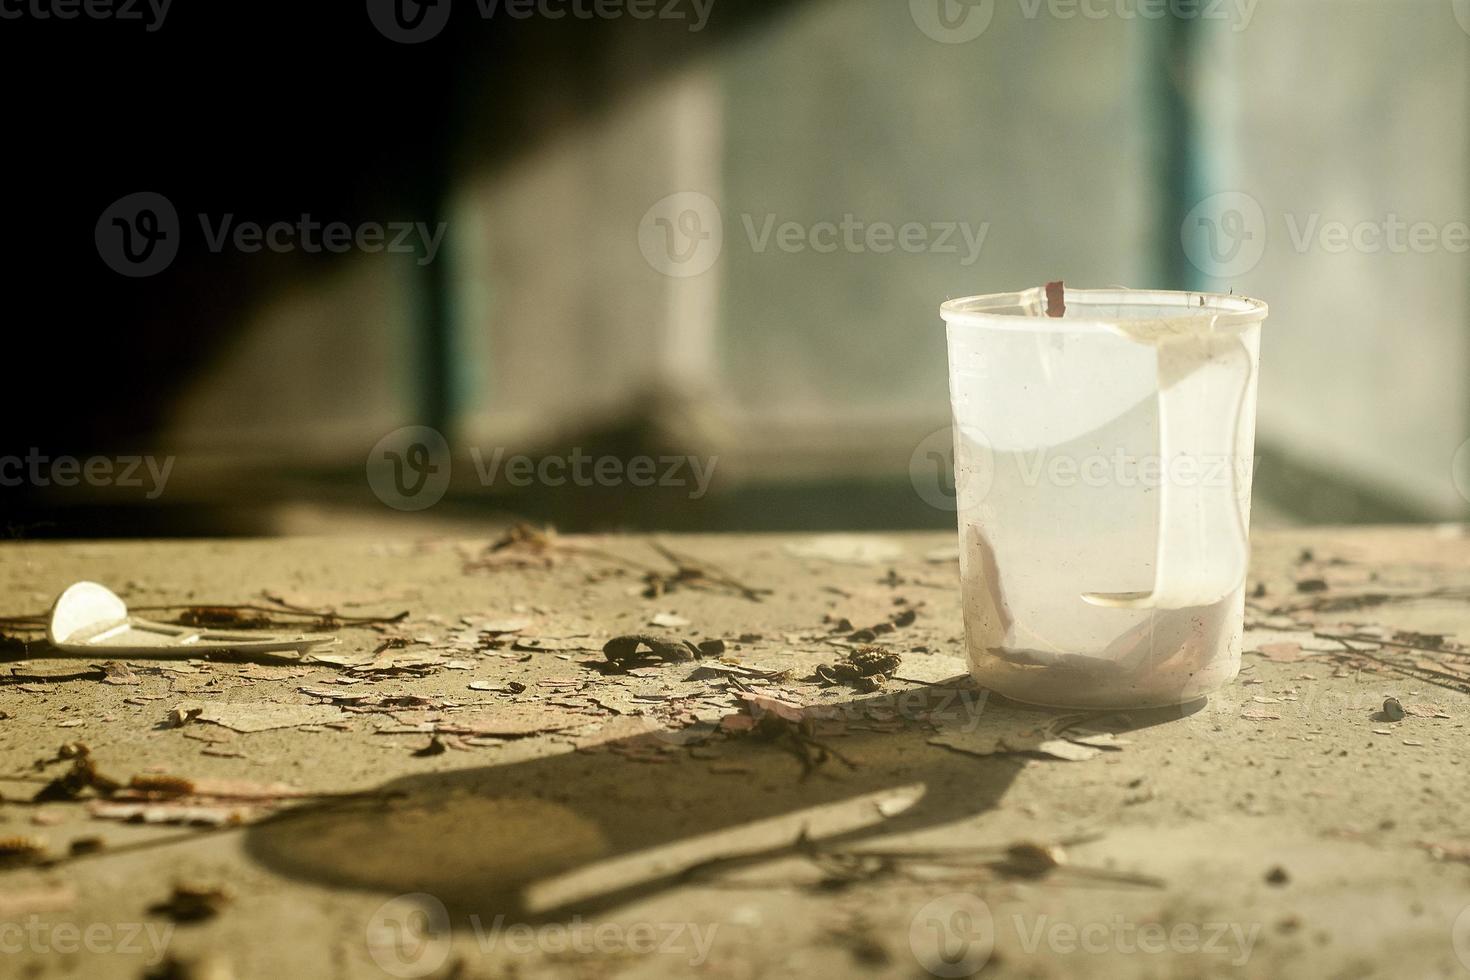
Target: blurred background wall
column 717, row 229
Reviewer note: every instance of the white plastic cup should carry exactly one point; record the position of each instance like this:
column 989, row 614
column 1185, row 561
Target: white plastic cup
column 1103, row 464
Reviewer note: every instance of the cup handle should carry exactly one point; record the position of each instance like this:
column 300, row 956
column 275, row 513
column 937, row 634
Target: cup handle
column 1203, row 548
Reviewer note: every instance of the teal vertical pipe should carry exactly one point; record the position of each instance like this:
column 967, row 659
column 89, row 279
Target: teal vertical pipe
column 1172, row 54
column 433, row 348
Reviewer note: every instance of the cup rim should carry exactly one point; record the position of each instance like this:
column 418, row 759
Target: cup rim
column 1025, row 310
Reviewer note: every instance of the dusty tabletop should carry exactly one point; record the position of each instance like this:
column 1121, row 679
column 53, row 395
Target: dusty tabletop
column 753, row 756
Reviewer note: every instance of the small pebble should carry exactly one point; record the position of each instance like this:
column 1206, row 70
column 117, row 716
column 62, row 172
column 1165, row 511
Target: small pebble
column 1277, row 876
